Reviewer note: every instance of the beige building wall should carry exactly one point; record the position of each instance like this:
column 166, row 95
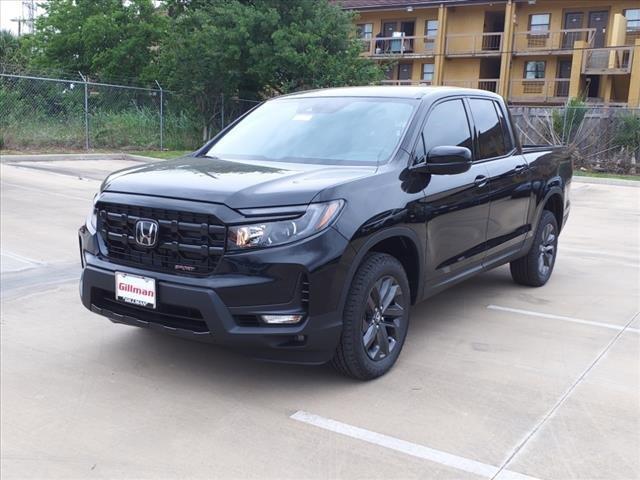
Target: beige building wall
column 465, row 24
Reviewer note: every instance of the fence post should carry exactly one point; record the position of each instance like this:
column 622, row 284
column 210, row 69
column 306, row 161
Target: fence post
column 161, row 114
column 86, row 111
column 222, row 111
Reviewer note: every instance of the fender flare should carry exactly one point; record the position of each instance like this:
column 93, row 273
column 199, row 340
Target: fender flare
column 540, row 207
column 365, row 248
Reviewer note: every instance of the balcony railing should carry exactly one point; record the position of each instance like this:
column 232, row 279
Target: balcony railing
column 404, row 46
column 489, row 84
column 415, row 83
column 539, row 90
column 549, row 41
column 609, row 61
column 631, row 37
column 472, row 44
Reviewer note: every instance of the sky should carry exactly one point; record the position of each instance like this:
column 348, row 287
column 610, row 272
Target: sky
column 10, row 9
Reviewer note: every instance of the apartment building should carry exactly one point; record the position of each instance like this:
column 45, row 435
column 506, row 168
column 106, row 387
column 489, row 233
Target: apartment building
column 529, row 51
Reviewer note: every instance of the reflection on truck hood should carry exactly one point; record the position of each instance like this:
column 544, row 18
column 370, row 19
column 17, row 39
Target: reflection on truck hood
column 238, row 184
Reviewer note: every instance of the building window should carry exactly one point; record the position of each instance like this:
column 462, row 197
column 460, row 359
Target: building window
column 427, row 72
column 539, row 22
column 633, row 20
column 431, row 28
column 365, row 30
column 534, row 70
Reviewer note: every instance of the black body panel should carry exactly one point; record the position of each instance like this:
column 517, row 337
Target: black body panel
column 444, row 228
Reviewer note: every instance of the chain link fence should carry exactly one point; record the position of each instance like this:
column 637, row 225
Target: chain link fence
column 43, row 113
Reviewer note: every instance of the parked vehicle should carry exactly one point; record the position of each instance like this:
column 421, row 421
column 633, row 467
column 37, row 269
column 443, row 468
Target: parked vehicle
column 305, row 231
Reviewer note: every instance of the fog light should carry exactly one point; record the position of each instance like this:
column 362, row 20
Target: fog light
column 280, row 319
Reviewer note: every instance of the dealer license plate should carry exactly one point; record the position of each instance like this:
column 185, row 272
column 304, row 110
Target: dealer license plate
column 136, row 290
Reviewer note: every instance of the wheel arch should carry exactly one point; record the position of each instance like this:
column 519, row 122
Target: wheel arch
column 555, row 204
column 401, row 243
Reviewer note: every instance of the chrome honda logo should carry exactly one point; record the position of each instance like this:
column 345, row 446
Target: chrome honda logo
column 146, row 233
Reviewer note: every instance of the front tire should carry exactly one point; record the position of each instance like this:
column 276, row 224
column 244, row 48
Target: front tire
column 376, row 318
column 535, row 268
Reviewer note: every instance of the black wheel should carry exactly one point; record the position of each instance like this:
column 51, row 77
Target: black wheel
column 535, row 268
column 376, row 318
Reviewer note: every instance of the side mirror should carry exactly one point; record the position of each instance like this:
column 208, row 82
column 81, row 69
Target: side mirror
column 448, row 160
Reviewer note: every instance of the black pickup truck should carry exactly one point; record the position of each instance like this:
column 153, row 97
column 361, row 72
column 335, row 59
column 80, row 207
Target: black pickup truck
column 305, row 230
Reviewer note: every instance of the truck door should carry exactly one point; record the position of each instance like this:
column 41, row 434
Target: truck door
column 508, row 179
column 456, row 206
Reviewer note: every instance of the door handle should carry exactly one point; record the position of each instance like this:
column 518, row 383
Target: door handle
column 481, row 181
column 521, row 168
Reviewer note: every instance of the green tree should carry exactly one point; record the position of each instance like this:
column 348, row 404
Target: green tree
column 257, row 48
column 12, row 55
column 107, row 38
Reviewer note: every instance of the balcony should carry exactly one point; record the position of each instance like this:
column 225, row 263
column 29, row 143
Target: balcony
column 414, row 83
column 607, row 61
column 489, row 84
column 474, row 44
column 551, row 42
column 541, row 90
column 399, row 47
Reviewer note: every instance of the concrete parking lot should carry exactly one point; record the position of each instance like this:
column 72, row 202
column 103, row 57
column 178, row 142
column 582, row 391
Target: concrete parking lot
column 495, row 380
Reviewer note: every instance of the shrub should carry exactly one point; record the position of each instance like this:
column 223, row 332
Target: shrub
column 567, row 121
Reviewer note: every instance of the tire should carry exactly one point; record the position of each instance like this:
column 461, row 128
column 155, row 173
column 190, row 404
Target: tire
column 536, row 267
column 369, row 325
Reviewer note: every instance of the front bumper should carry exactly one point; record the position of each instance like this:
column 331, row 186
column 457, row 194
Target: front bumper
column 224, row 308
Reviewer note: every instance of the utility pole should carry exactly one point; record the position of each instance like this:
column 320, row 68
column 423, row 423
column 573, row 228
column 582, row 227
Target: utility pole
column 29, row 14
column 26, row 18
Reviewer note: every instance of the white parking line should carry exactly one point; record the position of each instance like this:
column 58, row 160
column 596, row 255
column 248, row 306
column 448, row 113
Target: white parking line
column 563, row 318
column 413, row 449
column 46, row 192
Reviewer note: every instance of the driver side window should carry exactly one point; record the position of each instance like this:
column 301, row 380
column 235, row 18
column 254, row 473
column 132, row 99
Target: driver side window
column 447, row 125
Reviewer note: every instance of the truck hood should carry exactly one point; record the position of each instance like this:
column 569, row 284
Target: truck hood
column 237, row 184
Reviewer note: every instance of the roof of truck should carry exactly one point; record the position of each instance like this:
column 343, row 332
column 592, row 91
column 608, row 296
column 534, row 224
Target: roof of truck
column 389, row 92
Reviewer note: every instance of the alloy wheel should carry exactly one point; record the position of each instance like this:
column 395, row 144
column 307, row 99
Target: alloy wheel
column 383, row 318
column 547, row 250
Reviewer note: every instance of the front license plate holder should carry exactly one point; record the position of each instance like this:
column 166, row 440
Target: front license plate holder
column 135, row 290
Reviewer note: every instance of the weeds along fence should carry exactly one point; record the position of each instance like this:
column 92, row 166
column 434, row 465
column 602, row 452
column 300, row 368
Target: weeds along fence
column 43, row 113
column 605, row 139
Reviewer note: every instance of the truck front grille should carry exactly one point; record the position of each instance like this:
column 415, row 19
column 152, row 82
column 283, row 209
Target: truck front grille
column 188, row 243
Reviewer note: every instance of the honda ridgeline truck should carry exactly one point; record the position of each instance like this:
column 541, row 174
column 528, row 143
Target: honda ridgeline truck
column 304, row 231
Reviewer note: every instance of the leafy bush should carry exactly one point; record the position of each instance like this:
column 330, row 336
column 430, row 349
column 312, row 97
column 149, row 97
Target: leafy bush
column 628, row 132
column 567, row 121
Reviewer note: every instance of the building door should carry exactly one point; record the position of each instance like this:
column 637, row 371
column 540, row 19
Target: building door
column 563, row 76
column 593, row 86
column 404, row 72
column 393, row 29
column 599, row 21
column 572, row 21
column 493, row 28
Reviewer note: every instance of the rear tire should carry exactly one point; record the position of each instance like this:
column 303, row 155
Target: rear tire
column 375, row 319
column 536, row 267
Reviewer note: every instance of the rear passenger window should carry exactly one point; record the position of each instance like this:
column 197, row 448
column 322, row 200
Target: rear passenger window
column 490, row 134
column 508, row 141
column 447, row 125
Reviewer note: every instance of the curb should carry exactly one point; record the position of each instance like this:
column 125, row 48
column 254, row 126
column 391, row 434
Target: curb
column 618, row 182
column 56, row 157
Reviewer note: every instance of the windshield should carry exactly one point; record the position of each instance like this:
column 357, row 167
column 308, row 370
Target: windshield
column 344, row 130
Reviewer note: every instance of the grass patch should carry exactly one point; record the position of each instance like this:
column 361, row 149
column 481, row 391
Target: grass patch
column 135, row 129
column 163, row 155
column 579, row 173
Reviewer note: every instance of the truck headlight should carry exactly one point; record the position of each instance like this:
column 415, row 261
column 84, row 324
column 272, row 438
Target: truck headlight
column 316, row 218
column 92, row 218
